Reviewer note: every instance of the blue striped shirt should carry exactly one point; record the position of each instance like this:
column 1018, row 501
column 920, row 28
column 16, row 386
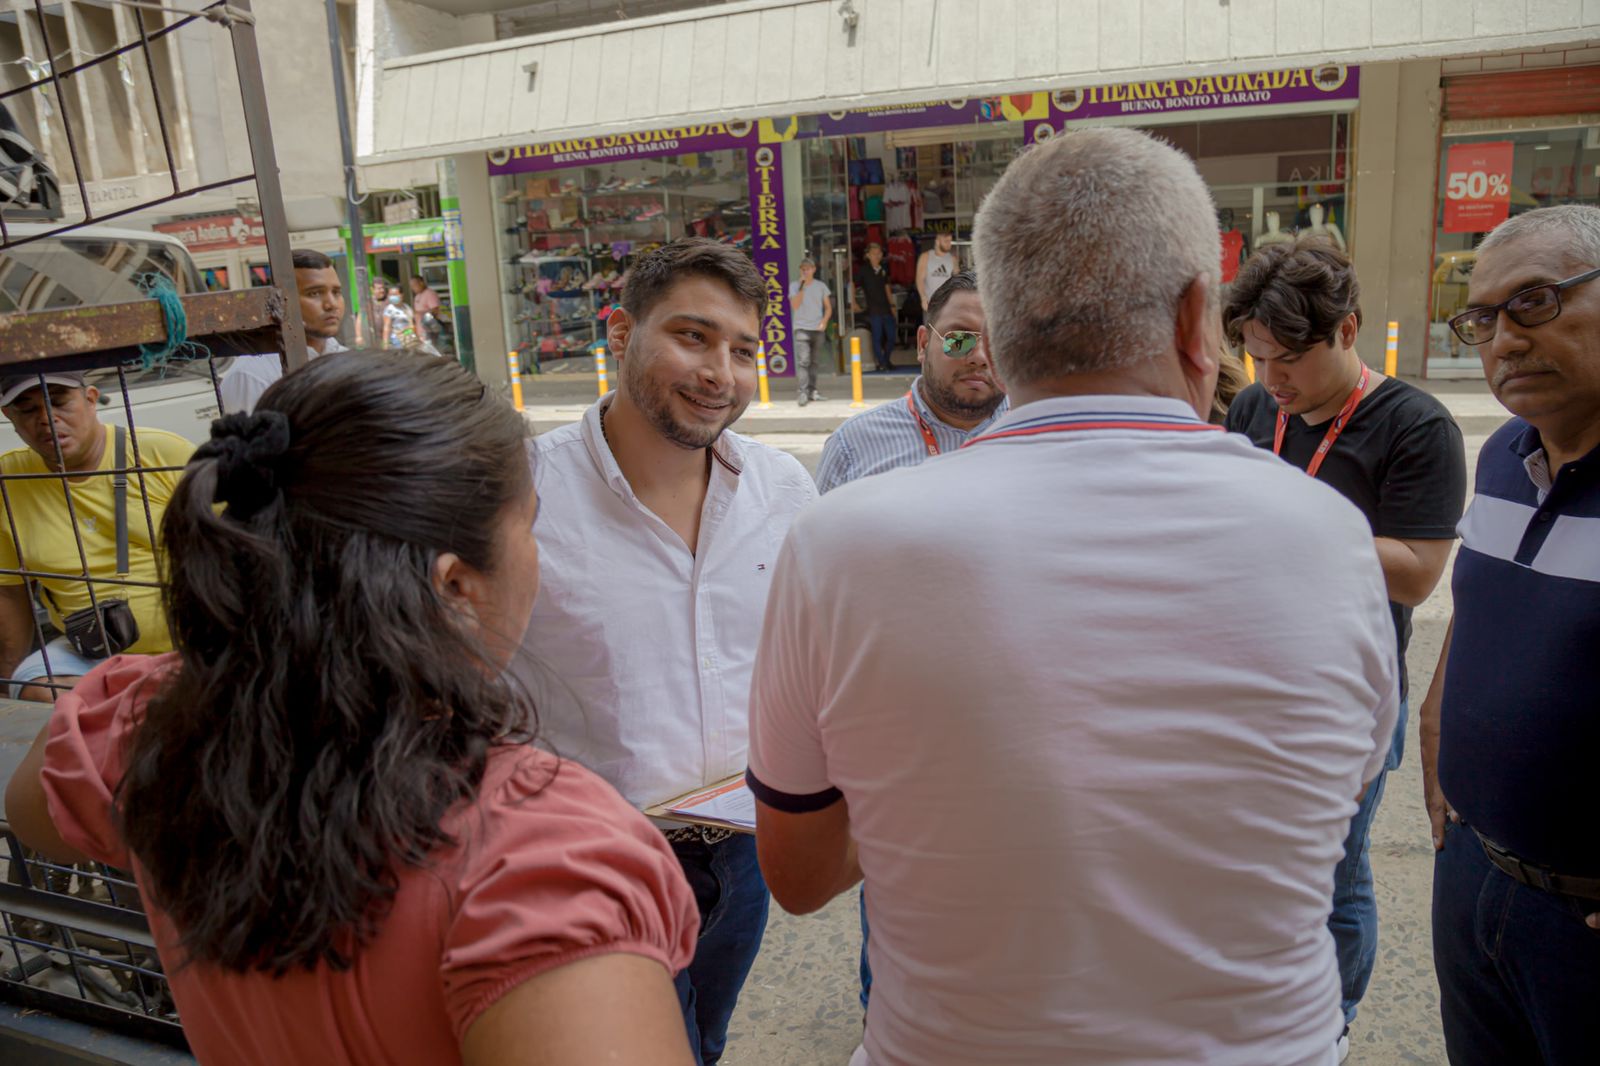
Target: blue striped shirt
column 1520, row 720
column 887, row 438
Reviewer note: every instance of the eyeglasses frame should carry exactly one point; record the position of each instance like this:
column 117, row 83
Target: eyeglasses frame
column 1504, row 306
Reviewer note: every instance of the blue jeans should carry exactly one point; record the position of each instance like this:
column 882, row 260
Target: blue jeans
column 882, row 330
column 64, row 662
column 1519, row 971
column 732, row 897
column 1354, row 921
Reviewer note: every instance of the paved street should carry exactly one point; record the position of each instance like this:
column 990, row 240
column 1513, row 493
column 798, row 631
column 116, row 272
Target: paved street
column 800, row 1006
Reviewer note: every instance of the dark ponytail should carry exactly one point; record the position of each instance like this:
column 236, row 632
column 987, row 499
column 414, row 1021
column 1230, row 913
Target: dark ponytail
column 328, row 709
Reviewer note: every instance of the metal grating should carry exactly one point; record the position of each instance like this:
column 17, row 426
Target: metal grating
column 73, row 939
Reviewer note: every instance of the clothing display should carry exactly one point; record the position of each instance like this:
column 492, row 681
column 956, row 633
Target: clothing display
column 902, row 261
column 897, row 205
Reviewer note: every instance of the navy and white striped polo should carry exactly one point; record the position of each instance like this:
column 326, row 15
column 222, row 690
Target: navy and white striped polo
column 1520, row 722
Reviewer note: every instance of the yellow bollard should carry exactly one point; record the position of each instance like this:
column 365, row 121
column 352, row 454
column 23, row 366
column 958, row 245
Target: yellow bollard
column 761, row 378
column 1391, row 352
column 600, row 369
column 515, row 365
column 855, row 373
column 1250, row 368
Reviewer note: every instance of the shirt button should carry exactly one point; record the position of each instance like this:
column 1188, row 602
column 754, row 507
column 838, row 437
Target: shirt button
column 706, row 662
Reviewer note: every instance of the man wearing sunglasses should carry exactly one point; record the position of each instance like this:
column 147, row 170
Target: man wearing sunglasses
column 955, row 397
column 1511, row 722
column 1387, row 447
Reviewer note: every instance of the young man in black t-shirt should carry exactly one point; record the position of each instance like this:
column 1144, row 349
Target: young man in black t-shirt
column 1387, row 447
column 879, row 307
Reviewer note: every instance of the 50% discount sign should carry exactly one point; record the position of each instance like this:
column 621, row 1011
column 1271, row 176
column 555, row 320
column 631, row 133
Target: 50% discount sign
column 1477, row 186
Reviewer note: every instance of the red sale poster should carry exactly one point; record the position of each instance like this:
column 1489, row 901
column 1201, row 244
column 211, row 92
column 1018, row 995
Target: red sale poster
column 1477, row 186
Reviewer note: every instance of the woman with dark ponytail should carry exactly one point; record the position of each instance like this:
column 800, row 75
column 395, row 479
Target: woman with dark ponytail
column 348, row 850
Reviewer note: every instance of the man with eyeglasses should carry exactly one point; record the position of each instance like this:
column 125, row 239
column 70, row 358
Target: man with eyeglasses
column 1387, row 447
column 955, row 397
column 1511, row 722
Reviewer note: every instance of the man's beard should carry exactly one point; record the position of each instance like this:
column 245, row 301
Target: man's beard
column 944, row 397
column 656, row 403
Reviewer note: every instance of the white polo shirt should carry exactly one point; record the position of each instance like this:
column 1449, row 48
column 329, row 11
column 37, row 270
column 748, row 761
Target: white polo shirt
column 639, row 654
column 1100, row 691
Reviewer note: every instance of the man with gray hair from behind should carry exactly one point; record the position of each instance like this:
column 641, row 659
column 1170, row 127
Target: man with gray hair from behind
column 1095, row 825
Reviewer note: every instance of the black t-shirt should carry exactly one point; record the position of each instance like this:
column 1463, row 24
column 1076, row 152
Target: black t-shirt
column 1400, row 460
column 875, row 286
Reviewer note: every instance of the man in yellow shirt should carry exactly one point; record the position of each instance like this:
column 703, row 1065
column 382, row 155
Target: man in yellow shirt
column 38, row 532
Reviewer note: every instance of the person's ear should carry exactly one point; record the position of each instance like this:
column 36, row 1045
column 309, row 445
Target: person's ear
column 1347, row 331
column 91, row 394
column 619, row 331
column 922, row 343
column 462, row 588
column 1196, row 337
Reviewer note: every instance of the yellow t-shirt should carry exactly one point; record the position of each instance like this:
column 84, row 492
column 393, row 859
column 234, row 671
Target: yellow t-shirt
column 39, row 511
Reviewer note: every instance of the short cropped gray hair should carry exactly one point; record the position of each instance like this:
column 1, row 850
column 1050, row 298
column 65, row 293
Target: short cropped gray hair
column 1084, row 248
column 1574, row 226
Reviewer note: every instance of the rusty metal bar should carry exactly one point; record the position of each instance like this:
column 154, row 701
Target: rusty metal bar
column 26, row 336
column 274, row 219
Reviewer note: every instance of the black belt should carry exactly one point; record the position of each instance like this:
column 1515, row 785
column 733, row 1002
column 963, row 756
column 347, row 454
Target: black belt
column 705, row 834
column 1540, row 877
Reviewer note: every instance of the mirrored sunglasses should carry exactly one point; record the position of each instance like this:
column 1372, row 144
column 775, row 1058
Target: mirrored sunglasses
column 958, row 343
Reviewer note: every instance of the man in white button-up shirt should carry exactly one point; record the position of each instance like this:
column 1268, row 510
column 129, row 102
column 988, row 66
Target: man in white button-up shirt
column 658, row 532
column 1098, row 819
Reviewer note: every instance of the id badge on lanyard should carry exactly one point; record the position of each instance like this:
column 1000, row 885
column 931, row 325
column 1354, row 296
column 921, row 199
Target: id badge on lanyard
column 1340, row 420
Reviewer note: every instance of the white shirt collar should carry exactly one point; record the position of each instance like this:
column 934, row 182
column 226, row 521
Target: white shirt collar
column 728, row 449
column 1162, row 407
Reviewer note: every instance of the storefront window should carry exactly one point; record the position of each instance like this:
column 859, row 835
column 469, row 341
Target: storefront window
column 1484, row 178
column 897, row 189
column 568, row 237
column 1272, row 178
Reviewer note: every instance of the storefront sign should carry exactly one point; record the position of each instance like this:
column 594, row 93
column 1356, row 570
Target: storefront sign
column 406, row 236
column 1300, row 85
column 1014, row 107
column 216, row 232
column 767, row 248
column 647, row 144
column 1477, row 186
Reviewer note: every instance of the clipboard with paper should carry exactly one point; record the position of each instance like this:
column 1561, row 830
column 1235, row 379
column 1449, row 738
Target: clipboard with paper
column 727, row 804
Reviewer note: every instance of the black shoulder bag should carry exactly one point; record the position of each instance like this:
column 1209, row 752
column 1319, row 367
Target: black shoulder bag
column 108, row 627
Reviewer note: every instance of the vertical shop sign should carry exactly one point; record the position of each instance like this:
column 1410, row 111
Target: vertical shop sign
column 1477, row 186
column 768, row 249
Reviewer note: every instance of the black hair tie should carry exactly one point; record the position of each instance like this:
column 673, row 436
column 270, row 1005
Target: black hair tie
column 247, row 449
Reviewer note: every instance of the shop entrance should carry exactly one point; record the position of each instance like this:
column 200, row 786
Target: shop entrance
column 898, row 190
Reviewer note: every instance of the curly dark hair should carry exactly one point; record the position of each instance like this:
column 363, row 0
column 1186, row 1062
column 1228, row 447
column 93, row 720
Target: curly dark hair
column 1298, row 291
column 328, row 707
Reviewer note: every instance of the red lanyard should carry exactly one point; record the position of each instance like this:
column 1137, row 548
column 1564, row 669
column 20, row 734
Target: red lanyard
column 927, row 434
column 1339, row 422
